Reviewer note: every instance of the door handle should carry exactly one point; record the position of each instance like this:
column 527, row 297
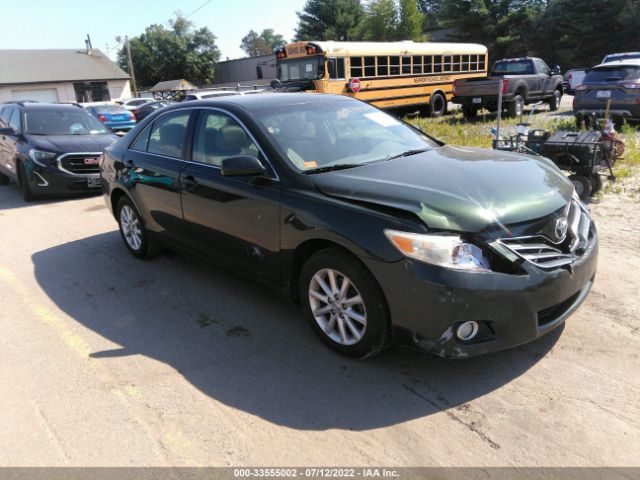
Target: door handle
column 190, row 183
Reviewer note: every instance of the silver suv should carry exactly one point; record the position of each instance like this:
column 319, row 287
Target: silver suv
column 613, row 86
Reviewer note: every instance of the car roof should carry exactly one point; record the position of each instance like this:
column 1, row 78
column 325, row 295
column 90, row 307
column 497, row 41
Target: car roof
column 267, row 99
column 631, row 62
column 51, row 106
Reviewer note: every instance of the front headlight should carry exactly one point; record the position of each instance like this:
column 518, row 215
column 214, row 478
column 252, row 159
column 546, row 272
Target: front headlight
column 443, row 250
column 40, row 157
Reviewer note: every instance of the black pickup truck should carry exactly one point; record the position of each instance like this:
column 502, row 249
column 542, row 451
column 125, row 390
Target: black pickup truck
column 523, row 81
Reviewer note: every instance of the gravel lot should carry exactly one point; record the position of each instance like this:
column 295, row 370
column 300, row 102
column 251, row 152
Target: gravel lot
column 107, row 360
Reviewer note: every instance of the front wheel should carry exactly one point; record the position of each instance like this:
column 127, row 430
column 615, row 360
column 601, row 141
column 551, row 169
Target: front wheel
column 344, row 304
column 4, row 180
column 554, row 101
column 23, row 178
column 135, row 236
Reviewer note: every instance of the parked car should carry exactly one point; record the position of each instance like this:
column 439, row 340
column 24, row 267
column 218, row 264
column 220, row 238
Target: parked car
column 205, row 94
column 380, row 232
column 616, row 57
column 524, row 80
column 572, row 78
column 613, row 86
column 115, row 117
column 132, row 103
column 146, row 108
column 50, row 149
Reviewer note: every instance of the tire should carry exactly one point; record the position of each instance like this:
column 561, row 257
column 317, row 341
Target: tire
column 359, row 330
column 27, row 193
column 582, row 185
column 134, row 235
column 579, row 122
column 515, row 108
column 437, row 105
column 554, row 101
column 469, row 112
column 4, row 180
column 596, row 183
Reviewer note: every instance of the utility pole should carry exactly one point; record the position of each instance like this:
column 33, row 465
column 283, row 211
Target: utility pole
column 131, row 72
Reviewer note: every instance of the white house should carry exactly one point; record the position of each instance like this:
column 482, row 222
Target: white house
column 61, row 76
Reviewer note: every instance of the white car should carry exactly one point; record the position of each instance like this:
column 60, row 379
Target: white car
column 211, row 94
column 133, row 103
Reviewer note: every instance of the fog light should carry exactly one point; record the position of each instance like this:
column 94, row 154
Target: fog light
column 467, row 330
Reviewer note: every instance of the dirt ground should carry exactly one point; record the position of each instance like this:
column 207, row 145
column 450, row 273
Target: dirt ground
column 106, row 360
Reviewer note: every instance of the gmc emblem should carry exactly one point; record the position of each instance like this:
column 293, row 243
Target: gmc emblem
column 91, row 161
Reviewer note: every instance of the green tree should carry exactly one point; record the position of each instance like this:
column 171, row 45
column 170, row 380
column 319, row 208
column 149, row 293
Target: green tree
column 409, row 21
column 329, row 20
column 263, row 44
column 380, row 23
column 180, row 51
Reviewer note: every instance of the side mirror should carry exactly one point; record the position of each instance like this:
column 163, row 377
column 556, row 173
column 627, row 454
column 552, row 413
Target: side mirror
column 555, row 70
column 242, row 166
column 7, row 131
column 259, row 72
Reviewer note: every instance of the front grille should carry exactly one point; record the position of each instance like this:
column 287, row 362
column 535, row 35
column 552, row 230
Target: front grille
column 546, row 253
column 79, row 163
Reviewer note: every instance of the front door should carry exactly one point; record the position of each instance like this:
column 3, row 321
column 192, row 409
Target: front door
column 234, row 220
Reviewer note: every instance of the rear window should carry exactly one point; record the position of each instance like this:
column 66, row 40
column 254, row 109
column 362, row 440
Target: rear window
column 612, row 74
column 615, row 58
column 519, row 67
column 111, row 109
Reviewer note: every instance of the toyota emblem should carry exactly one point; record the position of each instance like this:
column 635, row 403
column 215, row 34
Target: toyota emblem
column 561, row 228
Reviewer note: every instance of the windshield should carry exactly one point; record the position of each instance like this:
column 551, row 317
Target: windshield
column 335, row 132
column 62, row 122
column 612, row 74
column 306, row 68
column 516, row 67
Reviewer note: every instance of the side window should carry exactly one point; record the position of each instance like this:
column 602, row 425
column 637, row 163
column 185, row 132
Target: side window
column 542, row 67
column 6, row 115
column 219, row 136
column 142, row 141
column 336, row 68
column 356, row 67
column 168, row 134
column 14, row 122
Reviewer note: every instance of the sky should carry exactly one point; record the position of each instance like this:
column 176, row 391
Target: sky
column 65, row 23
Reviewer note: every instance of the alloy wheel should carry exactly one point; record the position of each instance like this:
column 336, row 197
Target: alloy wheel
column 131, row 227
column 337, row 307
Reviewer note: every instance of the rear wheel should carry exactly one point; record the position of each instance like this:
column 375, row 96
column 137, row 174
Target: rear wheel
column 3, row 179
column 437, row 105
column 344, row 304
column 135, row 236
column 596, row 183
column 23, row 178
column 515, row 108
column 469, row 112
column 582, row 185
column 554, row 101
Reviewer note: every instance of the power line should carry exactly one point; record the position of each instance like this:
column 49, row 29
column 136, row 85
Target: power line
column 200, row 7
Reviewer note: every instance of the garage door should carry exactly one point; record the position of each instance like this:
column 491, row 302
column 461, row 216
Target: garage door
column 44, row 95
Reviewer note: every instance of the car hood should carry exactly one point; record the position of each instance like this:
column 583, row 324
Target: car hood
column 72, row 143
column 456, row 188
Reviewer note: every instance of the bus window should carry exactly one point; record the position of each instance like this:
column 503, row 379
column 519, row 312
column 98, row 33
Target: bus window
column 356, row 67
column 336, row 68
column 394, row 65
column 465, row 63
column 383, row 67
column 437, row 64
column 455, row 66
column 446, row 63
column 417, row 65
column 428, row 64
column 406, row 65
column 481, row 62
column 369, row 66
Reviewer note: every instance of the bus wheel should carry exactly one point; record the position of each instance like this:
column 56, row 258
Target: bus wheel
column 437, row 105
column 469, row 112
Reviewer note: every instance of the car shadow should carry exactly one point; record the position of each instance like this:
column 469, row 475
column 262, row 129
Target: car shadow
column 242, row 344
column 11, row 197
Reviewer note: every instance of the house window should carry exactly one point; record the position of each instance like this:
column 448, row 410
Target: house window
column 91, row 92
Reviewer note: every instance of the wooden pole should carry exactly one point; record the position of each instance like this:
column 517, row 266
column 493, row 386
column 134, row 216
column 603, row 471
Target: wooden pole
column 131, row 72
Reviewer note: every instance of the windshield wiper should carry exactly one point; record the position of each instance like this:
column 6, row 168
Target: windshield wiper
column 408, row 153
column 331, row 168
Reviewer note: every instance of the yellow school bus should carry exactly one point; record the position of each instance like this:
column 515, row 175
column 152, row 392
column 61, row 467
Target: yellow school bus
column 406, row 75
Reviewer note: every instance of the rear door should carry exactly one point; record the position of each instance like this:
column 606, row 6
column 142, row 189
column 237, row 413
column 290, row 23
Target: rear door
column 151, row 172
column 234, row 220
